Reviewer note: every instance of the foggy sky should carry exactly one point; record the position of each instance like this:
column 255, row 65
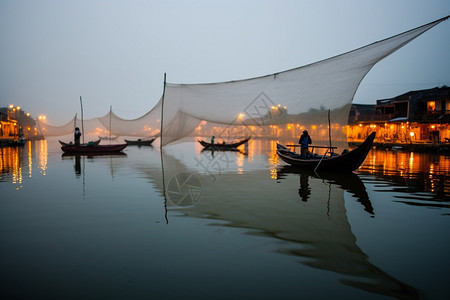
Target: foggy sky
column 115, row 53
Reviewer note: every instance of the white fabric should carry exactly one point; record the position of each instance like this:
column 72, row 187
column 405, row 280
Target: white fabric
column 279, row 105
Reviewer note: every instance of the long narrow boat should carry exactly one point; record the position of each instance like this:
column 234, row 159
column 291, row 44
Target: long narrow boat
column 93, row 149
column 95, row 143
column 108, row 138
column 140, row 142
column 347, row 161
column 223, row 146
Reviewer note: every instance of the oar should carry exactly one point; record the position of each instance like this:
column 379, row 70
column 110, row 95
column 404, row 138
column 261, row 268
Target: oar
column 320, row 161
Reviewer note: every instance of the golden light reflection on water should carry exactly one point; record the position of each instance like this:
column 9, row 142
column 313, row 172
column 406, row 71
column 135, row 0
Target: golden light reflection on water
column 407, row 163
column 419, row 172
column 11, row 163
column 17, row 162
column 30, row 160
column 43, row 152
column 273, row 160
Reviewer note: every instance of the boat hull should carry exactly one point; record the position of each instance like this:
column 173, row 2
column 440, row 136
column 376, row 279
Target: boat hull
column 140, row 142
column 93, row 149
column 349, row 161
column 231, row 146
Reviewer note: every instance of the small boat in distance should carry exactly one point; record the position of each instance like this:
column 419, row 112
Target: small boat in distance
column 87, row 149
column 140, row 142
column 95, row 143
column 223, row 145
column 346, row 162
column 108, row 138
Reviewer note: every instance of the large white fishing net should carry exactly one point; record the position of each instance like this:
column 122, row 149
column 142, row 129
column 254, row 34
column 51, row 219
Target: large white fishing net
column 279, row 105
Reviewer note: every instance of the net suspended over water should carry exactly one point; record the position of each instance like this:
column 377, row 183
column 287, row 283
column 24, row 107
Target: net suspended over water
column 279, row 105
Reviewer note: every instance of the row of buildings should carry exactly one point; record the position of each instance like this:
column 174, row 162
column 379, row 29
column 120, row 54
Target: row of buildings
column 14, row 122
column 418, row 119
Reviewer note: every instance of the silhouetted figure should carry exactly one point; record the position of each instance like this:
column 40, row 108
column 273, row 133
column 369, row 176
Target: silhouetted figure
column 304, row 141
column 77, row 135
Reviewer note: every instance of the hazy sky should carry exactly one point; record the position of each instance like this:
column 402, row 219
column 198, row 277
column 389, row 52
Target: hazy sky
column 115, row 53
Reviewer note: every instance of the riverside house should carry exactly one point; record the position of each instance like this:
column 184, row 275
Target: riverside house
column 8, row 126
column 416, row 119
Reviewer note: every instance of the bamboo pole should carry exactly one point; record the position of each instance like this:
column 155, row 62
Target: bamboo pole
column 82, row 123
column 161, row 150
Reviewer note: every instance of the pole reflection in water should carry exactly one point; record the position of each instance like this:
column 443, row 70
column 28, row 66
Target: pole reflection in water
column 80, row 163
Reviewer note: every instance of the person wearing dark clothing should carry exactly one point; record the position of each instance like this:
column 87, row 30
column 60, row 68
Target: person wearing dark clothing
column 212, row 140
column 304, row 141
column 77, row 136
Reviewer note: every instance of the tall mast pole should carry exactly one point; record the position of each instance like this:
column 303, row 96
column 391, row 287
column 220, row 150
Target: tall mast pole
column 162, row 115
column 82, row 123
column 161, row 150
column 329, row 127
column 110, row 111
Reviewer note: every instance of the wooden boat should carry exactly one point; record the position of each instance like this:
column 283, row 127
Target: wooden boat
column 141, row 142
column 347, row 161
column 108, row 138
column 93, row 149
column 95, row 143
column 223, row 146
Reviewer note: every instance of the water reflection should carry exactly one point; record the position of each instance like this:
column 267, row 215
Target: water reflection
column 11, row 164
column 79, row 158
column 302, row 213
column 349, row 182
column 415, row 176
column 317, row 231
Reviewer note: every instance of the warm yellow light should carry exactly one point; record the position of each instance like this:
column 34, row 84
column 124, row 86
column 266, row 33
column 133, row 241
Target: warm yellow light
column 28, row 114
column 18, row 107
column 411, row 134
column 314, row 126
column 432, row 126
column 360, row 125
column 11, row 106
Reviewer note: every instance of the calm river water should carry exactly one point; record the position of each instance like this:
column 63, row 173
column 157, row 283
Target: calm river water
column 224, row 225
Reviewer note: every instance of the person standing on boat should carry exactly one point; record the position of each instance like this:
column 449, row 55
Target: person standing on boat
column 304, row 141
column 212, row 140
column 77, row 135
